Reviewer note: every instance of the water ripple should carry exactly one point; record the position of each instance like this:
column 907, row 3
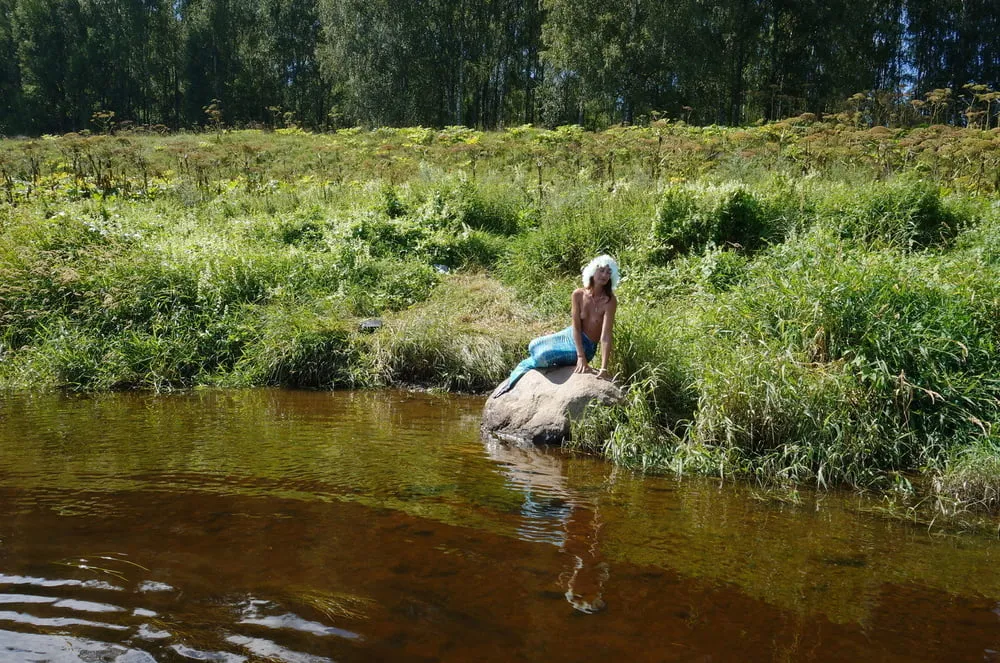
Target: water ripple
column 290, row 621
column 87, row 606
column 272, row 651
column 201, row 655
column 147, row 632
column 61, row 582
column 16, row 646
column 21, row 618
column 26, row 598
column 70, row 604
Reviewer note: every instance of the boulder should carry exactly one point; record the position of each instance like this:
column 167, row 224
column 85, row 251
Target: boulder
column 540, row 406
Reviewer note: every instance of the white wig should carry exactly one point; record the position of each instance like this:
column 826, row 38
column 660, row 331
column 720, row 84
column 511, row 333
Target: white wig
column 601, row 261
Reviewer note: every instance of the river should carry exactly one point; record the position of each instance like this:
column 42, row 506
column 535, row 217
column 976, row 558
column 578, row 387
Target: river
column 304, row 526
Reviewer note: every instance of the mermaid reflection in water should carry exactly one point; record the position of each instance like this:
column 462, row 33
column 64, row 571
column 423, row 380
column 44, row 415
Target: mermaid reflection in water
column 554, row 513
column 594, row 307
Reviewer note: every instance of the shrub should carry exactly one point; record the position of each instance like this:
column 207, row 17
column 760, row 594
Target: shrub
column 970, row 479
column 392, row 205
column 630, row 433
column 822, row 361
column 431, row 352
column 690, row 220
column 371, row 286
column 467, row 336
column 465, row 205
column 890, row 355
column 165, row 356
column 494, row 211
column 300, row 346
column 908, row 213
column 383, row 236
column 466, row 249
column 572, row 232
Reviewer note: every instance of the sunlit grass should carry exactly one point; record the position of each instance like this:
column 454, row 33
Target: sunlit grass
column 466, row 337
column 801, row 302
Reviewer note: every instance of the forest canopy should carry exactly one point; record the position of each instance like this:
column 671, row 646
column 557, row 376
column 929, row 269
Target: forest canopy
column 70, row 65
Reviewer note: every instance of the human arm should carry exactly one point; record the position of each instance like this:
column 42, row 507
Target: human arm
column 582, row 365
column 607, row 341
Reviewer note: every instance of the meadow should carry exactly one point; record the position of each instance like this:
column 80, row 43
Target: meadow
column 802, row 303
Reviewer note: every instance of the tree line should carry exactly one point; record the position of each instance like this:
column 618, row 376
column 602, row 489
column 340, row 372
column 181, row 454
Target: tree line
column 68, row 65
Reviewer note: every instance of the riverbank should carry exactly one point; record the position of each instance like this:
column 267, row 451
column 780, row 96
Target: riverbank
column 801, row 303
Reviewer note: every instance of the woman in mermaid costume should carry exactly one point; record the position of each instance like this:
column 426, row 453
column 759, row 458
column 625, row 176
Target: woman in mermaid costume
column 594, row 308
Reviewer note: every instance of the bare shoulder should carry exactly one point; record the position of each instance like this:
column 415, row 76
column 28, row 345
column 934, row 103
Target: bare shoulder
column 578, row 294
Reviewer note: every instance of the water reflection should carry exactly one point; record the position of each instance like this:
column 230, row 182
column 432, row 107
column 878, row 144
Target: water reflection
column 552, row 513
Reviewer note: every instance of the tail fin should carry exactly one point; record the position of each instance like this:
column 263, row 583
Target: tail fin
column 515, row 375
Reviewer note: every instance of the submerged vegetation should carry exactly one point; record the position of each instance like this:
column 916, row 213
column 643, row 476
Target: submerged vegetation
column 802, row 302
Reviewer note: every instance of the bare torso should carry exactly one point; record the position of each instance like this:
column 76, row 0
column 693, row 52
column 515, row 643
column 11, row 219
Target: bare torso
column 592, row 309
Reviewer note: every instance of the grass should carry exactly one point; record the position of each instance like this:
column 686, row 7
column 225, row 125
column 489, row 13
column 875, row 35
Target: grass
column 802, row 303
column 464, row 338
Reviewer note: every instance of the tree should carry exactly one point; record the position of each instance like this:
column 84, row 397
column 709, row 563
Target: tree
column 51, row 38
column 952, row 43
column 301, row 88
column 621, row 55
column 11, row 119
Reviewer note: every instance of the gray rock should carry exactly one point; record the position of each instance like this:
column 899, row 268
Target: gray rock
column 540, row 406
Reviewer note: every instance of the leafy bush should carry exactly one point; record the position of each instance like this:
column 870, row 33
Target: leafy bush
column 372, row 286
column 300, row 346
column 909, row 213
column 689, row 220
column 494, row 211
column 384, row 236
column 572, row 232
column 467, row 336
column 823, row 361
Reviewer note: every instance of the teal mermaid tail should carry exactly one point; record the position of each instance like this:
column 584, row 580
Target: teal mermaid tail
column 557, row 349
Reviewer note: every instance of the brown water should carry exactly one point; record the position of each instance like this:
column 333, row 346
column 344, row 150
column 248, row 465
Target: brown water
column 378, row 526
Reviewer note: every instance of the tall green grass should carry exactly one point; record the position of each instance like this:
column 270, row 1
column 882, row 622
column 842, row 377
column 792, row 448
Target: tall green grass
column 831, row 356
column 110, row 294
column 467, row 337
column 242, row 288
column 800, row 302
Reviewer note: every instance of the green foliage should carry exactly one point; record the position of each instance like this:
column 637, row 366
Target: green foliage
column 828, row 362
column 689, row 219
column 99, row 299
column 906, row 213
column 466, row 338
column 630, row 433
column 373, row 286
column 982, row 240
column 393, row 206
column 572, row 231
column 430, row 352
column 67, row 65
column 970, row 480
column 452, row 246
column 832, row 327
column 300, row 346
column 656, row 348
